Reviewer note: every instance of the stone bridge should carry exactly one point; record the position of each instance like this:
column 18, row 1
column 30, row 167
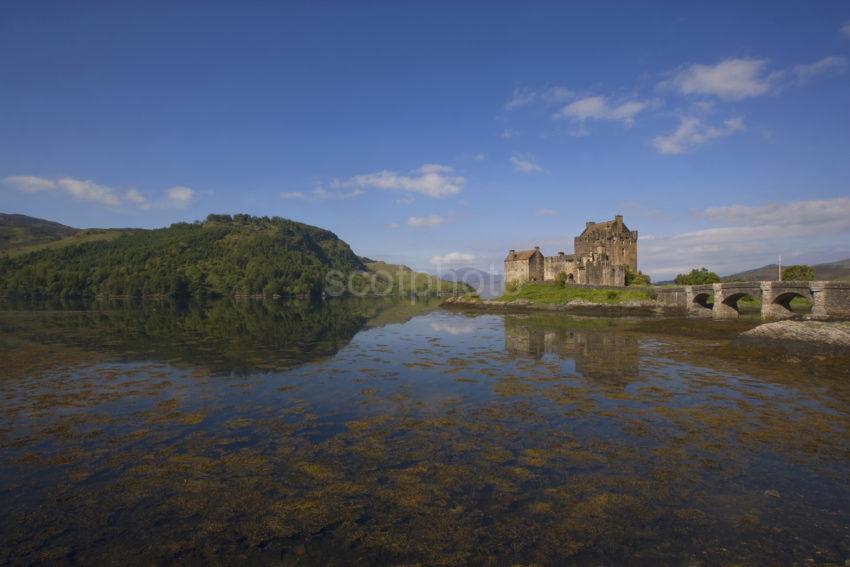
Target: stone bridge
column 830, row 300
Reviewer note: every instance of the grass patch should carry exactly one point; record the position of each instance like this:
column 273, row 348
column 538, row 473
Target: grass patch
column 546, row 293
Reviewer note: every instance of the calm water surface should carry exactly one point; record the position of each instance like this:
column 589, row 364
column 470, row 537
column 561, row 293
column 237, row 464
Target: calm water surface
column 397, row 433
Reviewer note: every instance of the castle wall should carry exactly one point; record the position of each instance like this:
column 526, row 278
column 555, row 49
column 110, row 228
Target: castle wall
column 553, row 265
column 516, row 271
column 536, row 268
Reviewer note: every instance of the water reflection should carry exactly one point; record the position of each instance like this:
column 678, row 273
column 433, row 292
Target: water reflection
column 597, row 353
column 396, row 433
column 224, row 337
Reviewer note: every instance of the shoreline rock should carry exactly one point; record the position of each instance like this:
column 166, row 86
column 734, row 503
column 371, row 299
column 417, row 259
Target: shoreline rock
column 800, row 337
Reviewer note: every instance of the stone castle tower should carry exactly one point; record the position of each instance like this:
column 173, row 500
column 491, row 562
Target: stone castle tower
column 603, row 253
column 611, row 239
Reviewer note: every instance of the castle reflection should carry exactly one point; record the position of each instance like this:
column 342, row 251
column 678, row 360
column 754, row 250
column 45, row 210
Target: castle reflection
column 598, row 353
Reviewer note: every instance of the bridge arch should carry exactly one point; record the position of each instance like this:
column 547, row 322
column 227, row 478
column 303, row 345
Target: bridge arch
column 780, row 305
column 701, row 304
column 732, row 299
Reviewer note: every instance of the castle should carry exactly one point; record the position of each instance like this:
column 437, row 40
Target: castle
column 603, row 253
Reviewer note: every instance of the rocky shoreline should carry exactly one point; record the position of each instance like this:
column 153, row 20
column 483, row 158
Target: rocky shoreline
column 800, row 337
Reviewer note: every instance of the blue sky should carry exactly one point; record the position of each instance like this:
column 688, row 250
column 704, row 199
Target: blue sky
column 441, row 132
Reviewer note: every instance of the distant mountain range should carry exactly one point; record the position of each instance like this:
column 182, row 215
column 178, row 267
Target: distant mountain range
column 839, row 270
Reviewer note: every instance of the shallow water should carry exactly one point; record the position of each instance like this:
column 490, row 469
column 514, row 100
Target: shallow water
column 391, row 432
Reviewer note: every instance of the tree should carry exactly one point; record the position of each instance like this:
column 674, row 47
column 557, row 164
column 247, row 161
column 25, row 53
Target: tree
column 561, row 279
column 638, row 278
column 697, row 277
column 798, row 272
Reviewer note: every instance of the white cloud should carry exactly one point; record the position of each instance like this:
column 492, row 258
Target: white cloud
column 547, row 212
column 730, row 79
column 320, row 192
column 480, row 156
column 87, row 190
column 452, row 258
column 433, row 180
column 179, row 195
column 135, row 197
column 845, row 29
column 745, row 236
column 422, row 222
column 815, row 212
column 524, row 165
column 520, row 98
column 508, row 133
column 809, row 71
column 30, row 183
column 392, row 226
column 557, row 95
column 692, row 132
column 293, row 195
column 598, row 108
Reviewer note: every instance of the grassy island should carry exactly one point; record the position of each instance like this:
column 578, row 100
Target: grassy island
column 545, row 293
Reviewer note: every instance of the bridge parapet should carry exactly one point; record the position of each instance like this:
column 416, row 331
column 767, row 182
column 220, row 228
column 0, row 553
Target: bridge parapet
column 830, row 300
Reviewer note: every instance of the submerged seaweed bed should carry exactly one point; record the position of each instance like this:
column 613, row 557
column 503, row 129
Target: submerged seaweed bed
column 407, row 434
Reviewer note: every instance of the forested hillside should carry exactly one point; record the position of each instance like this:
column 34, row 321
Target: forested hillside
column 22, row 230
column 222, row 255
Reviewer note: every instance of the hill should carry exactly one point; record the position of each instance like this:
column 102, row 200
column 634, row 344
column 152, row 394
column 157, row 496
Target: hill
column 17, row 231
column 839, row 270
column 400, row 279
column 223, row 255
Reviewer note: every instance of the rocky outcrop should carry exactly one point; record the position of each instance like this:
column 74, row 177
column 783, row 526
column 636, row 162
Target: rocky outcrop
column 800, row 337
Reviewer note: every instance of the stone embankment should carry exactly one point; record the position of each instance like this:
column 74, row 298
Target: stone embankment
column 800, row 337
column 575, row 307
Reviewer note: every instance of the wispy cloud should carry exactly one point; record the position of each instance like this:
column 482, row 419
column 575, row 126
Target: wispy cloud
column 748, row 236
column 508, row 133
column 809, row 71
column 88, row 190
column 433, row 180
column 452, row 258
column 180, row 195
column 520, row 97
column 693, row 132
column 523, row 97
column 480, row 156
column 547, row 212
column 600, row 108
column 425, row 222
column 845, row 29
column 730, row 79
column 525, row 165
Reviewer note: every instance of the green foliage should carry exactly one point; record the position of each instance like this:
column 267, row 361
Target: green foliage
column 555, row 294
column 798, row 272
column 224, row 255
column 638, row 278
column 561, row 279
column 511, row 287
column 697, row 277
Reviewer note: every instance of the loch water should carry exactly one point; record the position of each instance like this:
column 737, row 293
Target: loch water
column 371, row 431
